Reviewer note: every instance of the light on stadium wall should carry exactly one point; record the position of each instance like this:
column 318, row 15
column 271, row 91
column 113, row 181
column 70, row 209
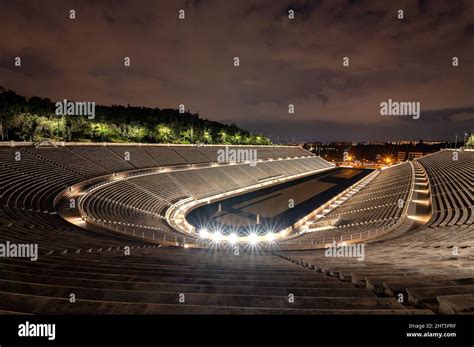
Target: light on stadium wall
column 422, row 219
column 233, row 239
column 216, row 237
column 253, row 239
column 425, row 202
column 203, row 233
column 270, row 237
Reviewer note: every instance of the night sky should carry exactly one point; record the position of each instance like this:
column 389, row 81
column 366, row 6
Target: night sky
column 282, row 61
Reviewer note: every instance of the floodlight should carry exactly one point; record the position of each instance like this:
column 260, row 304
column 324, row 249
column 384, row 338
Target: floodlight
column 203, row 233
column 233, row 238
column 253, row 239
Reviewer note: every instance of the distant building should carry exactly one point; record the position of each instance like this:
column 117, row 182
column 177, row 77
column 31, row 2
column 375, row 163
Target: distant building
column 340, row 144
column 316, row 144
column 402, row 156
column 431, row 143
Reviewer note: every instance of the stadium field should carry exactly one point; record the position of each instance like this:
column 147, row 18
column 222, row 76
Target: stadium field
column 278, row 207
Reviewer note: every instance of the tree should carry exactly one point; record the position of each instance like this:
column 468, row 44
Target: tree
column 470, row 142
column 207, row 137
column 164, row 133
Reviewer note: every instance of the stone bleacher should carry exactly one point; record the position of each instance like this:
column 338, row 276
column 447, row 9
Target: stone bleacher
column 451, row 184
column 374, row 207
column 142, row 196
column 430, row 267
column 31, row 178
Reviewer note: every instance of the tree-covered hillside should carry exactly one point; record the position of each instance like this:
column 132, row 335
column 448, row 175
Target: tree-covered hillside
column 35, row 119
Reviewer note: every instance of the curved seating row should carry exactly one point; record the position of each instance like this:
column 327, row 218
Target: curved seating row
column 140, row 202
column 376, row 206
column 31, row 178
column 179, row 281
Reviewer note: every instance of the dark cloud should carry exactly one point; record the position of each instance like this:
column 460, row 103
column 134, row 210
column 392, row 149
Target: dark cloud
column 424, row 5
column 323, row 98
column 469, row 29
column 32, row 65
column 193, row 3
column 432, row 125
column 107, row 17
column 258, row 7
column 303, row 8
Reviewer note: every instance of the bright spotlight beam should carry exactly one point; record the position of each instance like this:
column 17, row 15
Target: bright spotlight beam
column 270, row 237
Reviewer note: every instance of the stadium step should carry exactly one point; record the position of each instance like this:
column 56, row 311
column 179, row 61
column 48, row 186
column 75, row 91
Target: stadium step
column 358, row 278
column 339, row 288
column 393, row 288
column 270, row 302
column 91, row 263
column 47, row 305
column 376, row 283
column 185, row 274
column 309, row 282
column 427, row 296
